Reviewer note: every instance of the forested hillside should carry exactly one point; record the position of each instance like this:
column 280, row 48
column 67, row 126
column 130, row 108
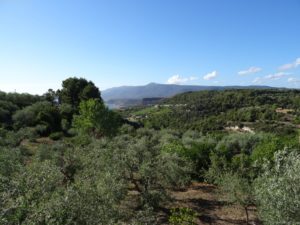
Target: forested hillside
column 163, row 90
column 127, row 96
column 65, row 158
column 264, row 110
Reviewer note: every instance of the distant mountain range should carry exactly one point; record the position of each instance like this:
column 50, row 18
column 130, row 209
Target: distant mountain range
column 132, row 95
column 162, row 90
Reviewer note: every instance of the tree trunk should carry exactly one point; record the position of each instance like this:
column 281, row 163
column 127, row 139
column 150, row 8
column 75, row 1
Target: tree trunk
column 247, row 215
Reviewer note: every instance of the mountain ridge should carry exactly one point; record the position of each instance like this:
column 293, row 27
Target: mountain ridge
column 152, row 90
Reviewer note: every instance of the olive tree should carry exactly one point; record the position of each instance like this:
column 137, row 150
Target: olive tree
column 277, row 190
column 237, row 190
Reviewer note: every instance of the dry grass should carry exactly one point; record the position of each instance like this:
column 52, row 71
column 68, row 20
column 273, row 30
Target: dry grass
column 284, row 111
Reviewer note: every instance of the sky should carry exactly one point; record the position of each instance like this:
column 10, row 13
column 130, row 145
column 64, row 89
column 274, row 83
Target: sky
column 135, row 42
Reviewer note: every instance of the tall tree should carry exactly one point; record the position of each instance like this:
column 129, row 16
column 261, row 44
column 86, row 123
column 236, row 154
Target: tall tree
column 74, row 90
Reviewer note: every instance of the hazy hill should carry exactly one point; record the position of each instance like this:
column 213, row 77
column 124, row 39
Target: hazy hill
column 161, row 90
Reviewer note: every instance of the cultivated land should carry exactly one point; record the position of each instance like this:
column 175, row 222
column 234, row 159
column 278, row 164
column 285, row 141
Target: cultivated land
column 207, row 157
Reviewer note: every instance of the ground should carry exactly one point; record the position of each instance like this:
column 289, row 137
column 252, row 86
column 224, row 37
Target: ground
column 204, row 199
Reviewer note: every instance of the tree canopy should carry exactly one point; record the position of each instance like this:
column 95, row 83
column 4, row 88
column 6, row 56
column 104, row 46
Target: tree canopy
column 74, row 90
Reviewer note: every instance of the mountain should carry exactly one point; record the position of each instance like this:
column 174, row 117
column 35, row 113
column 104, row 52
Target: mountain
column 154, row 90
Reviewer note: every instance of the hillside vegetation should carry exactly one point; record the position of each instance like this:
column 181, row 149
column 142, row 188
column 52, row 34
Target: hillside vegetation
column 127, row 96
column 208, row 111
column 208, row 157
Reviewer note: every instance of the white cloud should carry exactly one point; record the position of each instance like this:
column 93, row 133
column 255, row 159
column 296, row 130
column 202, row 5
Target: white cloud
column 193, row 78
column 292, row 65
column 251, row 70
column 293, row 80
column 276, row 76
column 211, row 75
column 176, row 79
column 257, row 80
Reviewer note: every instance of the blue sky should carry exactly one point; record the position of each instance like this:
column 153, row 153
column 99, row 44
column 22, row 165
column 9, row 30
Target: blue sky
column 134, row 42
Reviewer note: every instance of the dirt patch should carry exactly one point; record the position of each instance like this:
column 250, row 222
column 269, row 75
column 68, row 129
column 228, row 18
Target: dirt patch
column 204, row 199
column 284, row 111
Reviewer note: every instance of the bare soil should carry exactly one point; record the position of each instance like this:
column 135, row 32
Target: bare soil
column 204, row 199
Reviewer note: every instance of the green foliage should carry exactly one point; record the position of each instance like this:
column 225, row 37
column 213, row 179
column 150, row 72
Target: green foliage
column 175, row 148
column 40, row 113
column 10, row 161
column 20, row 100
column 74, row 90
column 66, row 112
column 232, row 153
column 51, row 96
column 91, row 175
column 89, row 184
column 277, row 190
column 183, row 216
column 13, row 139
column 236, row 189
column 144, row 217
column 56, row 136
column 150, row 170
column 27, row 199
column 6, row 110
column 266, row 149
column 94, row 118
column 210, row 111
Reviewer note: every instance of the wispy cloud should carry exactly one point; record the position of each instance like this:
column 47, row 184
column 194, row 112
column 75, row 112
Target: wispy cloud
column 276, row 76
column 251, row 70
column 294, row 80
column 211, row 75
column 291, row 65
column 176, row 79
column 258, row 80
column 193, row 78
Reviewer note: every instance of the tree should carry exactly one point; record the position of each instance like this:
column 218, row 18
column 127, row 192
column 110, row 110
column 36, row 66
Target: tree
column 266, row 149
column 94, row 118
column 237, row 190
column 51, row 96
column 148, row 170
column 66, row 112
column 74, row 90
column 277, row 190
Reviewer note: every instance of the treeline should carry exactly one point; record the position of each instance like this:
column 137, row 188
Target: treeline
column 53, row 113
column 209, row 111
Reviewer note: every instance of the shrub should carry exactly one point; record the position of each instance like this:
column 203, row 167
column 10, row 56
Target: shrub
column 183, row 216
column 41, row 129
column 56, row 136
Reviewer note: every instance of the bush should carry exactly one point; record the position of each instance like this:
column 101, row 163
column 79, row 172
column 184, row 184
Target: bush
column 183, row 216
column 42, row 129
column 56, row 136
column 40, row 113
